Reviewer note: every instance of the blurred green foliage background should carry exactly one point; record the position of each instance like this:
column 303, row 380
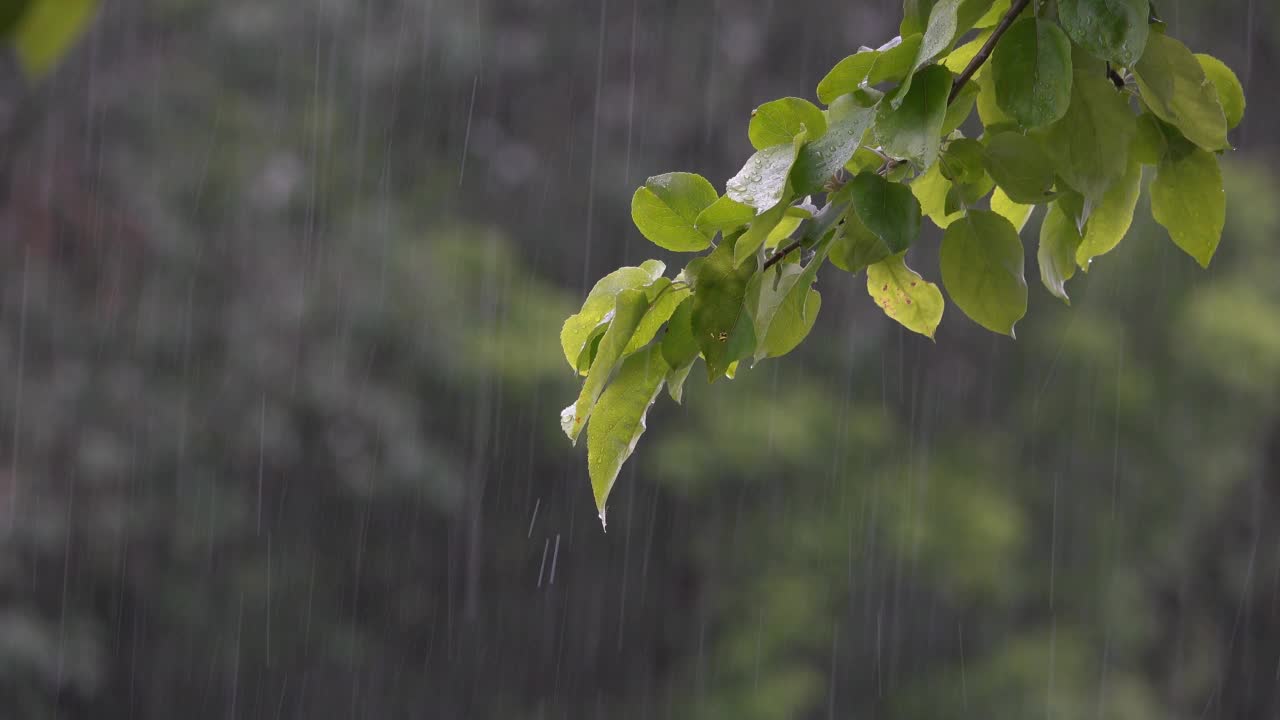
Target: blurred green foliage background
column 280, row 287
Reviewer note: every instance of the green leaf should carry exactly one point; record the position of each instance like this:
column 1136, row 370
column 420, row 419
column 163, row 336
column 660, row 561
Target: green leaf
column 1175, row 88
column 762, row 182
column 915, row 16
column 578, row 328
column 905, row 296
column 678, row 345
column 724, row 216
column 982, row 269
column 938, row 34
column 1188, row 200
column 992, row 16
column 959, row 109
column 10, row 13
column 666, row 207
column 989, row 111
column 847, row 76
column 777, row 306
column 675, row 381
column 1149, row 143
column 756, row 235
column 1031, row 69
column 720, row 325
column 931, row 189
column 887, row 209
column 1020, row 166
column 46, row 31
column 912, row 130
column 1227, row 85
column 847, row 121
column 1110, row 220
column 781, row 120
column 664, row 298
column 855, row 247
column 1016, row 213
column 1090, row 144
column 896, row 59
column 1114, row 30
column 1059, row 240
column 618, row 422
column 959, row 58
column 962, row 161
column 631, row 306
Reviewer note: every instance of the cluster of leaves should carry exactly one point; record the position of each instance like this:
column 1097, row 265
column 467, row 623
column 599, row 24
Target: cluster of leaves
column 41, row 31
column 1077, row 96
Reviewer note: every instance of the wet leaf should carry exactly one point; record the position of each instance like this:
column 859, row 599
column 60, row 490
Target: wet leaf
column 630, row 308
column 1227, row 85
column 1020, row 167
column 666, row 207
column 847, row 121
column 720, row 325
column 912, row 130
column 847, row 76
column 724, row 216
column 779, row 121
column 1031, row 69
column 1111, row 218
column 1059, row 240
column 1114, row 30
column 1090, row 144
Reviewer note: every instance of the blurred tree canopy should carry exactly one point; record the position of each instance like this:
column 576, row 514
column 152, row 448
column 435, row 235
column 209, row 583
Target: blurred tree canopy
column 277, row 311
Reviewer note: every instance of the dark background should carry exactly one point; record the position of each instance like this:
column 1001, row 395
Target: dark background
column 280, row 292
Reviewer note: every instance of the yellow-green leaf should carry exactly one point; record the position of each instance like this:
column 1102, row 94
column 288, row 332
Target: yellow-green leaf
column 1188, row 200
column 905, row 296
column 1225, row 82
column 1175, row 87
column 618, row 422
column 666, row 208
column 982, row 269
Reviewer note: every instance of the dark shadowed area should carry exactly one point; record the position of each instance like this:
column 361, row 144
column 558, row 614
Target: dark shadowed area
column 281, row 285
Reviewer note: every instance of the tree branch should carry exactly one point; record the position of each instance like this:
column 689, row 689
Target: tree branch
column 965, row 75
column 985, row 51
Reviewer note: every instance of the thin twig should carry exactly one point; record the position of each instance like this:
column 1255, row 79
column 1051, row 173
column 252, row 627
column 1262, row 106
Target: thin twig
column 965, row 75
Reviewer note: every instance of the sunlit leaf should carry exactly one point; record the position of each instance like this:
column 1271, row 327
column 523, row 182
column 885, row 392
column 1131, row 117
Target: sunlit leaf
column 1111, row 217
column 1175, row 88
column 1016, row 213
column 847, row 76
column 599, row 305
column 982, row 270
column 1059, row 240
column 931, row 189
column 1187, row 198
column 1227, row 85
column 905, row 296
column 630, row 309
column 724, row 216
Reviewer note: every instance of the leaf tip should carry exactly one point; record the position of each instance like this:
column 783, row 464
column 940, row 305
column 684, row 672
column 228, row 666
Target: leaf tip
column 604, row 526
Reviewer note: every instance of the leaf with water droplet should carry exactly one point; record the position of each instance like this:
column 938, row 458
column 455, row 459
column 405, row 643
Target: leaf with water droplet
column 1031, row 69
column 666, row 207
column 1114, row 30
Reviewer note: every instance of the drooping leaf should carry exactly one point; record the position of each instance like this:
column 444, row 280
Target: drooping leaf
column 905, row 296
column 1175, row 88
column 959, row 109
column 847, row 121
column 895, row 60
column 1149, row 143
column 1227, row 85
column 666, row 207
column 912, row 130
column 631, row 306
column 1016, row 213
column 720, row 324
column 1114, row 30
column 618, row 422
column 1059, row 240
column 754, row 238
column 599, row 304
column 1020, row 166
column 915, row 16
column 1187, row 198
column 847, row 76
column 793, row 318
column 724, row 216
column 777, row 309
column 856, row 247
column 1111, row 218
column 779, row 121
column 1090, row 144
column 887, row 209
column 931, row 189
column 675, row 381
column 982, row 269
column 1031, row 69
column 938, row 34
column 46, row 30
column 664, row 297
